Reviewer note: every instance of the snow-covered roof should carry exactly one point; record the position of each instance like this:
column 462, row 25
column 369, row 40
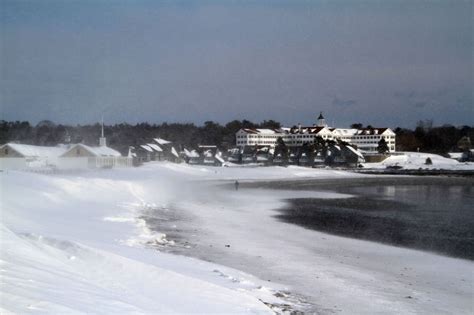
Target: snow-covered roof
column 194, row 153
column 208, row 153
column 155, row 147
column 174, row 152
column 207, row 146
column 105, row 151
column 146, row 147
column 374, row 131
column 262, row 131
column 267, row 131
column 308, row 130
column 219, row 158
column 355, row 151
column 191, row 154
column 344, row 132
column 97, row 151
column 316, row 130
column 234, row 151
column 35, row 151
column 162, row 141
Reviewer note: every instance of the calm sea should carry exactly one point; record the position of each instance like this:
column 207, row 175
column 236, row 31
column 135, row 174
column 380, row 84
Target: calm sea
column 428, row 213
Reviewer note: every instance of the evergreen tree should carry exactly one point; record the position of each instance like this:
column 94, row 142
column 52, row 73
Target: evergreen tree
column 357, row 126
column 282, row 149
column 383, row 146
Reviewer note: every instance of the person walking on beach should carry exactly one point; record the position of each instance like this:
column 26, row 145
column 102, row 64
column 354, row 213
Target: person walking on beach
column 236, row 184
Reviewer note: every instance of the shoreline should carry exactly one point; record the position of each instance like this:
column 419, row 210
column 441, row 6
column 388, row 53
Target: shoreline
column 417, row 172
column 238, row 229
column 323, row 183
column 395, row 221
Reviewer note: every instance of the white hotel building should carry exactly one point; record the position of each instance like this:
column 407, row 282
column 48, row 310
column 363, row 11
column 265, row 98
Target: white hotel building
column 366, row 139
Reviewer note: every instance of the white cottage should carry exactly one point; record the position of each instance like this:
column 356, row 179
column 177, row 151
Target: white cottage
column 15, row 156
column 80, row 156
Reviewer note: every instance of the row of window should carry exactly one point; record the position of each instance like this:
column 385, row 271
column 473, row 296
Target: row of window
column 257, row 136
column 374, row 137
column 310, row 136
column 372, row 142
column 374, row 148
column 255, row 142
column 307, row 138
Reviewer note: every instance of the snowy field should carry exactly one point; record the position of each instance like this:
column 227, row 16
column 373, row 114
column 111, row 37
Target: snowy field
column 78, row 243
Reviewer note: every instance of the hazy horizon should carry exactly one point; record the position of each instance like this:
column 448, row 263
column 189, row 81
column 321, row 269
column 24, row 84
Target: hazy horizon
column 201, row 124
column 386, row 64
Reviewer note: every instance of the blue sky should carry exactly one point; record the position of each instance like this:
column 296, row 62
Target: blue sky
column 385, row 63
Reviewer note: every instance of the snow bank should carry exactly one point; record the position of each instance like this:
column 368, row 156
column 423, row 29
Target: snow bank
column 43, row 274
column 417, row 160
column 245, row 172
column 75, row 244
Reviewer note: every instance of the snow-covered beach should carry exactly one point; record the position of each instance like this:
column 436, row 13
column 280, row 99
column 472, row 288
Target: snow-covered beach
column 85, row 243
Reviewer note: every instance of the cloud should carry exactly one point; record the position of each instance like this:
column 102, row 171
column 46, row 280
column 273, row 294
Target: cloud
column 404, row 95
column 157, row 61
column 421, row 104
column 343, row 103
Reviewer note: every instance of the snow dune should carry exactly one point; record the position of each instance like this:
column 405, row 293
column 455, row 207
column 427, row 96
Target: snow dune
column 42, row 274
column 74, row 244
column 78, row 243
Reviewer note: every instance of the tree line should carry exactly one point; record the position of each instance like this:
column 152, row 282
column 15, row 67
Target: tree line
column 425, row 137
column 121, row 136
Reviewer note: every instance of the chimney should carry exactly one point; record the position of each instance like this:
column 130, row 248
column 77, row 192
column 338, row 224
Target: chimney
column 299, row 127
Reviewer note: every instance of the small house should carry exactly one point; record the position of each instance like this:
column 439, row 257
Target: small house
column 15, row 156
column 80, row 156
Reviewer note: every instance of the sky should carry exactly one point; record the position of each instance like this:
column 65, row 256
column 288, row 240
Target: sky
column 384, row 63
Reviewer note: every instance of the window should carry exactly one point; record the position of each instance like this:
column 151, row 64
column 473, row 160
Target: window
column 78, row 151
column 6, row 151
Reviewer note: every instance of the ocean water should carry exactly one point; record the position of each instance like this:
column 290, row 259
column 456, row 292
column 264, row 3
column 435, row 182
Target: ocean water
column 434, row 214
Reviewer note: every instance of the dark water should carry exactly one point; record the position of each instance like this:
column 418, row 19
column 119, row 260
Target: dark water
column 434, row 214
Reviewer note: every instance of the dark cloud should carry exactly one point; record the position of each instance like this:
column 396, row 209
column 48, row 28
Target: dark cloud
column 72, row 61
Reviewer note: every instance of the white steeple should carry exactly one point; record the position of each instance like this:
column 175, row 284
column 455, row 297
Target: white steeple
column 321, row 120
column 102, row 140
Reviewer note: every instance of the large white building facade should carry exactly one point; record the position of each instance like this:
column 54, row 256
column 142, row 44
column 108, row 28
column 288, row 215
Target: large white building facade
column 366, row 139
